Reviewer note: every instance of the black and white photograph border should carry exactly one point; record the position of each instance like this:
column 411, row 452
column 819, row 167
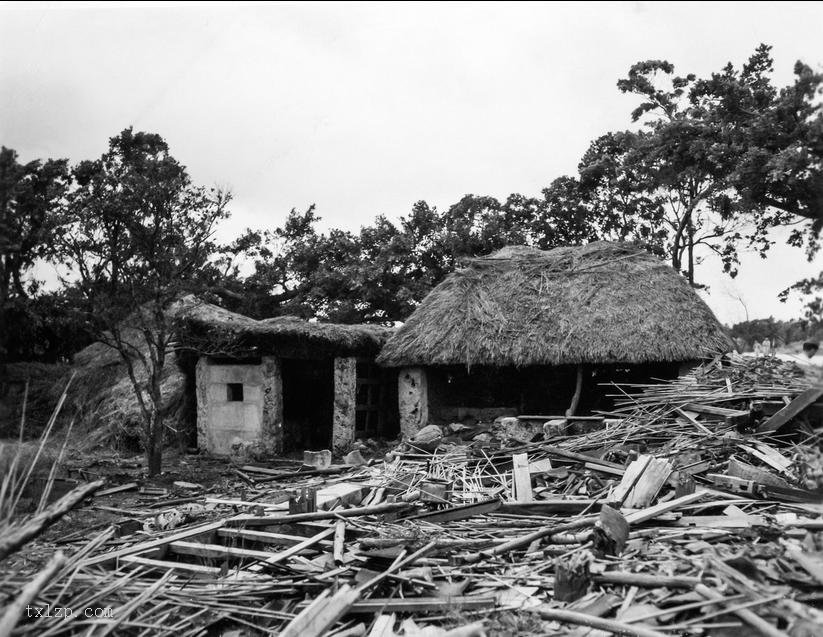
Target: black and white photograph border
column 411, row 319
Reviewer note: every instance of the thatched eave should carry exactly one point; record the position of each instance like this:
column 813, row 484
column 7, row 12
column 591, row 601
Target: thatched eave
column 603, row 303
column 209, row 329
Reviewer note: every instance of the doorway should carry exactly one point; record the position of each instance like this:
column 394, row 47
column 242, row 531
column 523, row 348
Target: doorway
column 308, row 404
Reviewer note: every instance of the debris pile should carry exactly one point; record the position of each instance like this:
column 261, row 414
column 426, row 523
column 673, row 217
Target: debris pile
column 694, row 508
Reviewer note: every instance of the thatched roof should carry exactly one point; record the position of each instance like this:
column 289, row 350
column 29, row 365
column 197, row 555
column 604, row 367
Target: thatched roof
column 599, row 303
column 210, row 328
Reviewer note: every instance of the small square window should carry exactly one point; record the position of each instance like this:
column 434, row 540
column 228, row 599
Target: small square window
column 234, row 392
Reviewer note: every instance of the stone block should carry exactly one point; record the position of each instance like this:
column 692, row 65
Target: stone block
column 427, row 438
column 509, row 428
column 317, row 459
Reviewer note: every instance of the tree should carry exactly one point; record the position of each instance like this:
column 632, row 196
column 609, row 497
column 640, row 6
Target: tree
column 30, row 195
column 380, row 274
column 717, row 163
column 46, row 327
column 138, row 235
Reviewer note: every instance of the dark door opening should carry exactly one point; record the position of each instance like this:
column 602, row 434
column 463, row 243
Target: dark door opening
column 308, row 404
column 377, row 410
column 536, row 390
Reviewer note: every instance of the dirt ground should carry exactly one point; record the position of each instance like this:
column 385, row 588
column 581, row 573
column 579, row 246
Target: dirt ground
column 212, row 475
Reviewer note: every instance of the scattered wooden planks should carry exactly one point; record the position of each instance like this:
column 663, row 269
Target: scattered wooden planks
column 792, row 410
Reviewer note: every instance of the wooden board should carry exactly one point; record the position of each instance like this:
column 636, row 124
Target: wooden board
column 152, row 544
column 461, row 512
column 522, row 478
column 253, row 520
column 318, row 617
column 644, row 515
column 630, row 477
column 649, row 483
column 215, row 551
column 794, row 408
column 266, row 537
column 196, row 569
column 421, row 604
column 551, row 507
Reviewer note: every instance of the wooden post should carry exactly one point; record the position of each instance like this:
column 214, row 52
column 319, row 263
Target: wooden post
column 578, row 389
column 521, row 478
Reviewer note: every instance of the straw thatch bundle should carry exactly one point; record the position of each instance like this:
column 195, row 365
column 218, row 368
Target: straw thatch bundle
column 100, row 396
column 210, row 329
column 599, row 303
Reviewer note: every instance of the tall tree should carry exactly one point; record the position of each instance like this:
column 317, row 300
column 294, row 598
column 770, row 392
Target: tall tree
column 30, row 197
column 138, row 235
column 717, row 162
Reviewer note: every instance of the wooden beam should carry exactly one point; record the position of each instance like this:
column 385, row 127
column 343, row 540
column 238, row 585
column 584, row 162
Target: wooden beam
column 251, row 520
column 297, row 548
column 339, row 543
column 152, row 544
column 748, row 616
column 421, row 604
column 646, row 580
column 551, row 507
column 794, row 408
column 266, row 537
column 318, row 617
column 583, row 619
column 196, row 569
column 456, row 513
column 731, row 417
column 219, row 551
column 644, row 515
column 580, row 457
column 522, row 478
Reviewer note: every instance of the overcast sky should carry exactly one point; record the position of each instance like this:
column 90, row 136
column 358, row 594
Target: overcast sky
column 365, row 109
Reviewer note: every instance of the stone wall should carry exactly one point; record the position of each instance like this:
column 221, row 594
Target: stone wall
column 272, row 426
column 222, row 423
column 345, row 404
column 412, row 389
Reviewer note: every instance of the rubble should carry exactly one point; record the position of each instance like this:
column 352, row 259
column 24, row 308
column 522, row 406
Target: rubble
column 670, row 515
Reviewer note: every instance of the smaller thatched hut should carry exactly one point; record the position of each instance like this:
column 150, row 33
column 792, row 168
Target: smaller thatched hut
column 285, row 383
column 522, row 330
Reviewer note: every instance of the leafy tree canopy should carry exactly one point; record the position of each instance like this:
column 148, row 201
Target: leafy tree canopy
column 30, row 198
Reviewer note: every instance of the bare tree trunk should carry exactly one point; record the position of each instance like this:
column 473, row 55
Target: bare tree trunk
column 154, row 443
column 154, row 440
column 677, row 260
column 154, row 437
column 691, row 251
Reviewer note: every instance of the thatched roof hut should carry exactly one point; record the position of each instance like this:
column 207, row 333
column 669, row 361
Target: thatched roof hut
column 283, row 383
column 210, row 328
column 600, row 303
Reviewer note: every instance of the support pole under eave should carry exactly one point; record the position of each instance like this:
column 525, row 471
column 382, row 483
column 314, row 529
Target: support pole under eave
column 578, row 389
column 344, row 419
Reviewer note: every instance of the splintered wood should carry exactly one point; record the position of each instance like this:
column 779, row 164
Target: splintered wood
column 666, row 516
